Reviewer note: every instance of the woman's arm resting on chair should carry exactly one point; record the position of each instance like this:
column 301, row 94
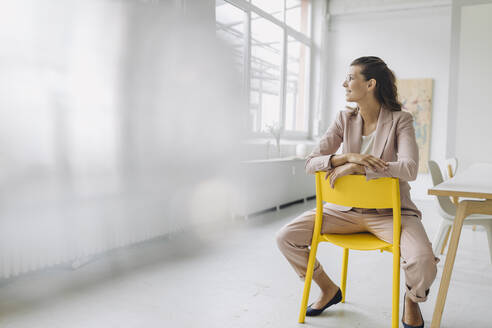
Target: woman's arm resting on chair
column 359, row 169
column 338, row 160
column 366, row 160
column 342, row 170
column 361, row 159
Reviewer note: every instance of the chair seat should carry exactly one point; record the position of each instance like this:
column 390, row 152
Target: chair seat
column 363, row 241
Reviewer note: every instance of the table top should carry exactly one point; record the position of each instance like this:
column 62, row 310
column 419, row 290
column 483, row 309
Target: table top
column 474, row 182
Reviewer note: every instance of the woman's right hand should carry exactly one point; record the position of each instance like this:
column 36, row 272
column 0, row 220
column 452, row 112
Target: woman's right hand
column 367, row 160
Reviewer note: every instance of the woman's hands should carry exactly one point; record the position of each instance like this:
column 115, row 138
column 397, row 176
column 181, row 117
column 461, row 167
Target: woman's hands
column 342, row 170
column 367, row 160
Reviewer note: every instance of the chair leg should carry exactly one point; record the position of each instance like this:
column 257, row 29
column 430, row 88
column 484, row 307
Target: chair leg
column 307, row 281
column 488, row 229
column 446, row 238
column 395, row 311
column 439, row 238
column 343, row 284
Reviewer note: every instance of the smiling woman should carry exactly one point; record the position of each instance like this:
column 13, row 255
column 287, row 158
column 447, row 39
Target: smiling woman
column 378, row 140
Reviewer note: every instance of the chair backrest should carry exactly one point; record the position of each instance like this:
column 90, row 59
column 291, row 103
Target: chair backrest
column 444, row 202
column 355, row 191
column 452, row 166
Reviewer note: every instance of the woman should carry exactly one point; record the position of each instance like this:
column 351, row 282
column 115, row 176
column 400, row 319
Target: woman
column 378, row 140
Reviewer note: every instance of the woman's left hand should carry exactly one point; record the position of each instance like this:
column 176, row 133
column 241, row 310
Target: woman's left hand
column 342, row 170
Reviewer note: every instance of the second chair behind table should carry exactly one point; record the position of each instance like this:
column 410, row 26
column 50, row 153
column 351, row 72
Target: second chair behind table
column 447, row 210
column 355, row 191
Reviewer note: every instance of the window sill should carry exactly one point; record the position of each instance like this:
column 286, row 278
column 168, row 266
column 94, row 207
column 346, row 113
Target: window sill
column 262, row 141
column 273, row 160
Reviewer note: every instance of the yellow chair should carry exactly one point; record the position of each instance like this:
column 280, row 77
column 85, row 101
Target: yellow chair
column 355, row 191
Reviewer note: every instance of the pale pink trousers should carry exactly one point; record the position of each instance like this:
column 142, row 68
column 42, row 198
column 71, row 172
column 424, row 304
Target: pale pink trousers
column 418, row 260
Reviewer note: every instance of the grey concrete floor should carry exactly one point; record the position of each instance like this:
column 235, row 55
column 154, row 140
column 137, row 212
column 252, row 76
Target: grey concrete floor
column 232, row 275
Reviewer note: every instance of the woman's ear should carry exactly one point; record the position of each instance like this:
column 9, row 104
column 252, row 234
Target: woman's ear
column 371, row 84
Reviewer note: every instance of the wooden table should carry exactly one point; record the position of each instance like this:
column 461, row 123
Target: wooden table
column 474, row 182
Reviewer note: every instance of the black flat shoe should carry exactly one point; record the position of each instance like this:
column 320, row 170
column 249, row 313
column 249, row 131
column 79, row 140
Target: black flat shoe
column 403, row 316
column 310, row 312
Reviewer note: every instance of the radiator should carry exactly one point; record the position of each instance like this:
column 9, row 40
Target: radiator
column 267, row 184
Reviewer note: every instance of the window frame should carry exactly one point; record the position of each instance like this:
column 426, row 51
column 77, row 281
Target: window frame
column 288, row 31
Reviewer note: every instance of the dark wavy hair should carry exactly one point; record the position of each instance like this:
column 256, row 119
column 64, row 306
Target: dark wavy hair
column 375, row 68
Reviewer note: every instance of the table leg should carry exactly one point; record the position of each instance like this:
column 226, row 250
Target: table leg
column 465, row 208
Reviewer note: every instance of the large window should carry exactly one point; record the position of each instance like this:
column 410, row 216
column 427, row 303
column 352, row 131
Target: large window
column 297, row 80
column 272, row 46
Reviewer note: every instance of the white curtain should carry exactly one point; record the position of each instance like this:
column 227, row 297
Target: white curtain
column 119, row 122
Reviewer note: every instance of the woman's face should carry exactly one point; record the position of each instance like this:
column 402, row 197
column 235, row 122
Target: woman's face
column 356, row 86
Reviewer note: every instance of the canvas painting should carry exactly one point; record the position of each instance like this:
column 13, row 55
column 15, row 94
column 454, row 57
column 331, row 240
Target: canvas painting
column 416, row 98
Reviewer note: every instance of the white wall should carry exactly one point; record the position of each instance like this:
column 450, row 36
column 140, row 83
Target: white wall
column 474, row 85
column 414, row 42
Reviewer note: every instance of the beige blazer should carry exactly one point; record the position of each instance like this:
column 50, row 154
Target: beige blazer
column 394, row 143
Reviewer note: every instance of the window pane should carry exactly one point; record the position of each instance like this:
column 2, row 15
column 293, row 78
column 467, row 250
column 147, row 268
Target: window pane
column 266, row 45
column 297, row 82
column 230, row 27
column 297, row 15
column 273, row 7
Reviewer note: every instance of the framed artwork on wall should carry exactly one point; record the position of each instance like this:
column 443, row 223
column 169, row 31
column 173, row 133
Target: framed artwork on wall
column 416, row 98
